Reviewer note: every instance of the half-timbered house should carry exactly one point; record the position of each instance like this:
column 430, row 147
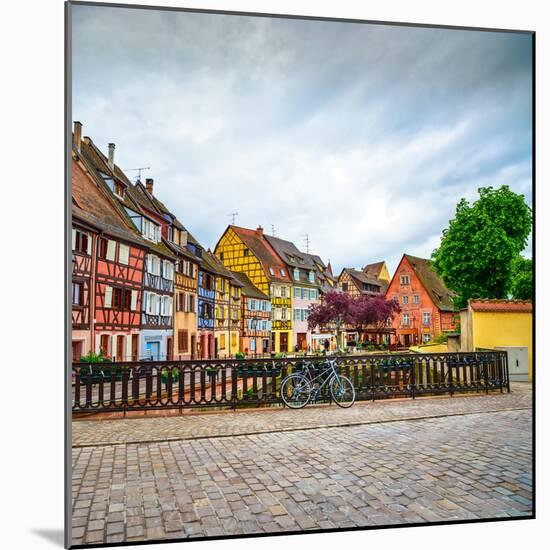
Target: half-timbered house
column 156, row 307
column 255, row 319
column 305, row 288
column 355, row 283
column 426, row 304
column 206, row 309
column 108, row 257
column 248, row 251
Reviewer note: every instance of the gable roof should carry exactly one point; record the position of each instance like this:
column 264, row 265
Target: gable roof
column 248, row 288
column 502, row 306
column 360, row 278
column 91, row 206
column 97, row 164
column 441, row 296
column 255, row 240
column 373, row 270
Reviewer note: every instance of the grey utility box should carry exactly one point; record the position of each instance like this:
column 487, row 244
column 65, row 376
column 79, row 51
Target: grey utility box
column 518, row 362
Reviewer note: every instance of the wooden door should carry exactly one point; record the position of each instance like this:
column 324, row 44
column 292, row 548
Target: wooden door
column 120, row 347
column 77, row 350
column 193, row 346
column 135, row 346
column 283, row 342
column 169, row 348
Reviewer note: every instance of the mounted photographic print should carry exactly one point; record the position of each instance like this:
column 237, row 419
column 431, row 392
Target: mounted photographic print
column 300, row 272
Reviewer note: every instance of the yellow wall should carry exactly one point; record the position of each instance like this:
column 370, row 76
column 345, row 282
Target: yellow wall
column 491, row 329
column 384, row 274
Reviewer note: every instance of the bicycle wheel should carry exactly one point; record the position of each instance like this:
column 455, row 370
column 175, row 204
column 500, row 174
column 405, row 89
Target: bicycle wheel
column 342, row 391
column 295, row 391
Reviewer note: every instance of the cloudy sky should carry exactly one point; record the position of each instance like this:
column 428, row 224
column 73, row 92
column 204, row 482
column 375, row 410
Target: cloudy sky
column 362, row 136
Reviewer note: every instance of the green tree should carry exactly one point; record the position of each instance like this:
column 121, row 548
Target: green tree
column 521, row 287
column 482, row 242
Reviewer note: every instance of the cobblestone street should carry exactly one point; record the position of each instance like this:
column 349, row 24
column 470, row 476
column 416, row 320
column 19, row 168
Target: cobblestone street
column 379, row 464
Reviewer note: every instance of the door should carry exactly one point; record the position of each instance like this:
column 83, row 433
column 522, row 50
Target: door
column 153, row 350
column 120, row 347
column 169, row 348
column 301, row 341
column 407, row 339
column 265, row 345
column 77, row 350
column 215, row 347
column 135, row 346
column 284, row 341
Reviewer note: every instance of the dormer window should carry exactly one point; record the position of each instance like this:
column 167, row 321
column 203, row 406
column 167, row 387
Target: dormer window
column 150, row 230
column 311, row 277
column 297, row 274
column 271, row 271
column 283, row 273
column 119, row 189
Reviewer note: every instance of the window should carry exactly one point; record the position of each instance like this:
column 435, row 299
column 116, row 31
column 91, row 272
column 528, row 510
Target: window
column 221, row 256
column 404, row 279
column 296, row 314
column 312, row 294
column 104, row 344
column 150, row 230
column 246, row 252
column 119, row 189
column 183, row 341
column 111, row 249
column 416, row 299
column 296, row 273
column 283, row 272
column 168, row 270
column 304, row 293
column 283, row 292
column 426, row 318
column 426, row 338
column 102, row 248
column 271, row 271
column 311, row 276
column 283, row 314
column 78, row 297
column 116, row 298
column 406, row 319
column 405, row 299
column 81, row 242
column 222, row 341
column 345, row 287
column 297, row 292
column 123, row 254
column 253, row 345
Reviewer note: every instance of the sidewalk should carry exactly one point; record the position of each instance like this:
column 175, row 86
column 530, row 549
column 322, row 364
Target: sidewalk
column 269, row 420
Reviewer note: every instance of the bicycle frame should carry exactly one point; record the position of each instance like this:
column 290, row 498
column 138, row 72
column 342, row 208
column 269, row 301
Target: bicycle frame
column 330, row 365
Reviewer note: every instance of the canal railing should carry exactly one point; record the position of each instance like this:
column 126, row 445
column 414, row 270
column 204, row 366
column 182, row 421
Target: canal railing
column 127, row 386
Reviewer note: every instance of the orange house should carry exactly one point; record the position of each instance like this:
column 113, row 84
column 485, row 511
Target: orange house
column 426, row 304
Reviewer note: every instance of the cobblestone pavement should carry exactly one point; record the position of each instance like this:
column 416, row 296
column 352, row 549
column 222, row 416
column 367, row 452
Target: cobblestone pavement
column 189, row 426
column 449, row 468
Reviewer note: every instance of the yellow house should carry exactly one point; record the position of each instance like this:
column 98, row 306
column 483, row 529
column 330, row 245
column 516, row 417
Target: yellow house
column 248, row 251
column 494, row 324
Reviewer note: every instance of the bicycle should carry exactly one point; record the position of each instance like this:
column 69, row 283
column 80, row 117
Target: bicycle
column 298, row 389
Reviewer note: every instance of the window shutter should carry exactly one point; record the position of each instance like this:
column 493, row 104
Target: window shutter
column 123, row 254
column 111, row 245
column 133, row 303
column 74, row 239
column 89, row 247
column 170, row 306
column 108, row 296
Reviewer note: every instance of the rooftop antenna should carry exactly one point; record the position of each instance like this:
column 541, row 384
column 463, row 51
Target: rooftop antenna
column 138, row 170
column 307, row 241
column 233, row 217
column 273, row 232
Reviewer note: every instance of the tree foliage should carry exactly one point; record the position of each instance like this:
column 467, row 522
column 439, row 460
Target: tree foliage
column 521, row 287
column 339, row 309
column 482, row 242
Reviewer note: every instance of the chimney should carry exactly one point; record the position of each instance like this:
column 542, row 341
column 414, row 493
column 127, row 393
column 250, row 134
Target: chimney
column 112, row 156
column 260, row 230
column 149, row 185
column 77, row 134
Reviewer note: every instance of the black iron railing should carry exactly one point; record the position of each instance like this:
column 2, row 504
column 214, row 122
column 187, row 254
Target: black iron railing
column 103, row 387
